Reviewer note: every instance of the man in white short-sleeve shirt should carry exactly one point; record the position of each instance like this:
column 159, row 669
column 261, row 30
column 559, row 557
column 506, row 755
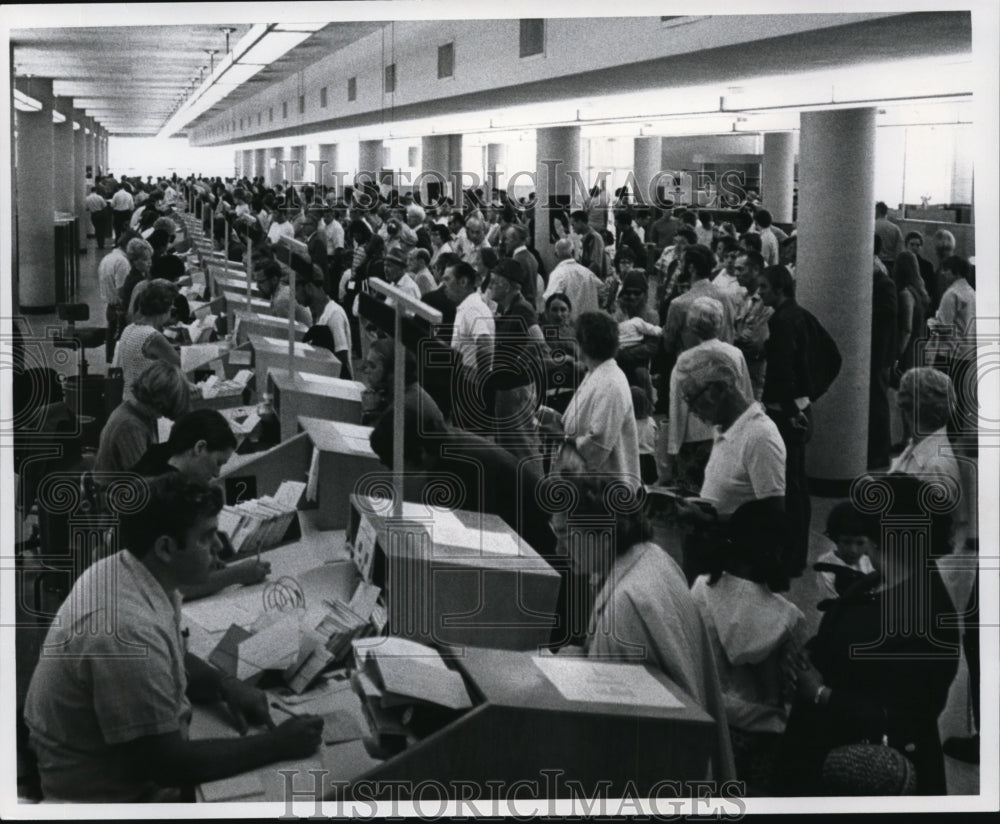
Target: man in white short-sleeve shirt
column 108, row 706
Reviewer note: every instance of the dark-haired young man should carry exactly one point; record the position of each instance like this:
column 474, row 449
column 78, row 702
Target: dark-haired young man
column 108, row 711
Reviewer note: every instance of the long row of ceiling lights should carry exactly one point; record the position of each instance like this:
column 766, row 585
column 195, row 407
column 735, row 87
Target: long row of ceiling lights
column 260, row 47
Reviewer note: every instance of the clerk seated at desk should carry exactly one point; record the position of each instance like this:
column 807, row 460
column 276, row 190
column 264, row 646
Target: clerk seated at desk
column 199, row 445
column 108, row 712
column 274, row 287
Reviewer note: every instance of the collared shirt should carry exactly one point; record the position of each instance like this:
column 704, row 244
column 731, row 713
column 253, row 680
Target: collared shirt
column 95, row 203
column 578, row 283
column 958, row 311
column 111, row 671
column 279, row 230
column 678, row 309
column 769, row 247
column 749, row 626
column 601, row 420
column 424, row 280
column 473, row 320
column 111, row 274
column 334, row 317
column 747, row 462
column 929, row 458
column 122, row 201
column 334, row 234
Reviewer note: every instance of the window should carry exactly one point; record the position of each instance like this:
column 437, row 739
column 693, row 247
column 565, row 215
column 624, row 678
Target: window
column 270, row 115
column 413, row 155
column 284, row 109
column 352, row 88
column 322, row 98
column 302, row 104
column 446, row 60
column 532, row 36
column 259, row 117
column 390, row 78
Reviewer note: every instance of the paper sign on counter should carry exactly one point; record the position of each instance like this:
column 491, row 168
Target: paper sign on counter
column 586, row 680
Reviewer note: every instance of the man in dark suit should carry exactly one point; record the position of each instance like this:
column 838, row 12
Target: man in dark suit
column 884, row 314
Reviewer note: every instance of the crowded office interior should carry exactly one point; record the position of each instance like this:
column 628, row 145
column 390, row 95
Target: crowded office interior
column 468, row 401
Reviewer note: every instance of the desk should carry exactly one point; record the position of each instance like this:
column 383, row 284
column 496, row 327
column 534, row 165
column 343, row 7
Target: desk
column 272, row 353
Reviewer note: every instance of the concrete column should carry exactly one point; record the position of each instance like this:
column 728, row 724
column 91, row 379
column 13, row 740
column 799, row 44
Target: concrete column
column 276, row 171
column 91, row 140
column 299, row 170
column 836, row 215
column 105, row 140
column 496, row 165
column 326, row 173
column 557, row 155
column 247, row 168
column 646, row 165
column 370, row 158
column 35, row 233
column 260, row 163
column 80, row 175
column 63, row 164
column 778, row 175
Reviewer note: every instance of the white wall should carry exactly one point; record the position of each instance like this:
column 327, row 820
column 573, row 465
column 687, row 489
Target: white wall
column 144, row 156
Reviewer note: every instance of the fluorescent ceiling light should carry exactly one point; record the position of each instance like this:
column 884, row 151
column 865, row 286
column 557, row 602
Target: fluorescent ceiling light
column 239, row 73
column 58, row 117
column 309, row 27
column 272, row 46
column 25, row 103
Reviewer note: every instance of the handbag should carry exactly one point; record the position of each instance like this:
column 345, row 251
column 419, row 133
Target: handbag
column 868, row 769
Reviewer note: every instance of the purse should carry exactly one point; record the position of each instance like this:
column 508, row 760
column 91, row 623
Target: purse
column 868, row 769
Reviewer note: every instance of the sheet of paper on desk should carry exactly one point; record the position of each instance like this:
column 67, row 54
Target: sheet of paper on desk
column 273, row 648
column 364, row 599
column 586, row 680
column 347, row 761
column 340, row 726
column 213, row 616
column 198, row 354
column 394, row 646
column 247, row 785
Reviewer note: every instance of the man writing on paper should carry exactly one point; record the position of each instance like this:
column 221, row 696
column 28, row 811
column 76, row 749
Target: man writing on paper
column 109, row 703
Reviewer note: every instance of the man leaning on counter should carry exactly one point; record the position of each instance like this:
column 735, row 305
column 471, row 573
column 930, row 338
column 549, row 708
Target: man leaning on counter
column 110, row 701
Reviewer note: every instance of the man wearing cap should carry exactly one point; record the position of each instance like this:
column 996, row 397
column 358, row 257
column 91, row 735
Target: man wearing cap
column 517, row 366
column 575, row 280
column 334, row 332
column 395, row 273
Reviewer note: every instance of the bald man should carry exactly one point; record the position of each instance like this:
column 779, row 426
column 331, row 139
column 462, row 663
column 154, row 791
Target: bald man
column 583, row 288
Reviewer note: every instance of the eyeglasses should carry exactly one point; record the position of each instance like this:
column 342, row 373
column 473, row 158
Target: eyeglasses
column 691, row 400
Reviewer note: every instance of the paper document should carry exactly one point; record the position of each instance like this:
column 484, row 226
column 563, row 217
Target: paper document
column 587, row 680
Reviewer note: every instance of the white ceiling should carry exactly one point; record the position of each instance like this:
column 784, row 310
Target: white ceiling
column 130, row 79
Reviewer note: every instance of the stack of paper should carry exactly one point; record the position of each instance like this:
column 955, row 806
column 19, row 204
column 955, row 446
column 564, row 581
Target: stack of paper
column 215, row 387
column 199, row 330
column 261, row 523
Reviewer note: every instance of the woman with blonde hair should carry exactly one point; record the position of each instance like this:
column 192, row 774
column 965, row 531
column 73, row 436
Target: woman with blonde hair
column 161, row 390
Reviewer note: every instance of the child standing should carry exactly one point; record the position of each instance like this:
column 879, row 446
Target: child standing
column 848, row 560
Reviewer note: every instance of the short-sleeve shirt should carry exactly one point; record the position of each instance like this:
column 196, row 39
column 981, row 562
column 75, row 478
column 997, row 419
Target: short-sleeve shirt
column 335, row 318
column 111, row 671
column 473, row 319
column 747, row 462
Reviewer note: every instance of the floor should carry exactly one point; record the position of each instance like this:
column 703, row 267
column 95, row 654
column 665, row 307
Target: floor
column 955, row 720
